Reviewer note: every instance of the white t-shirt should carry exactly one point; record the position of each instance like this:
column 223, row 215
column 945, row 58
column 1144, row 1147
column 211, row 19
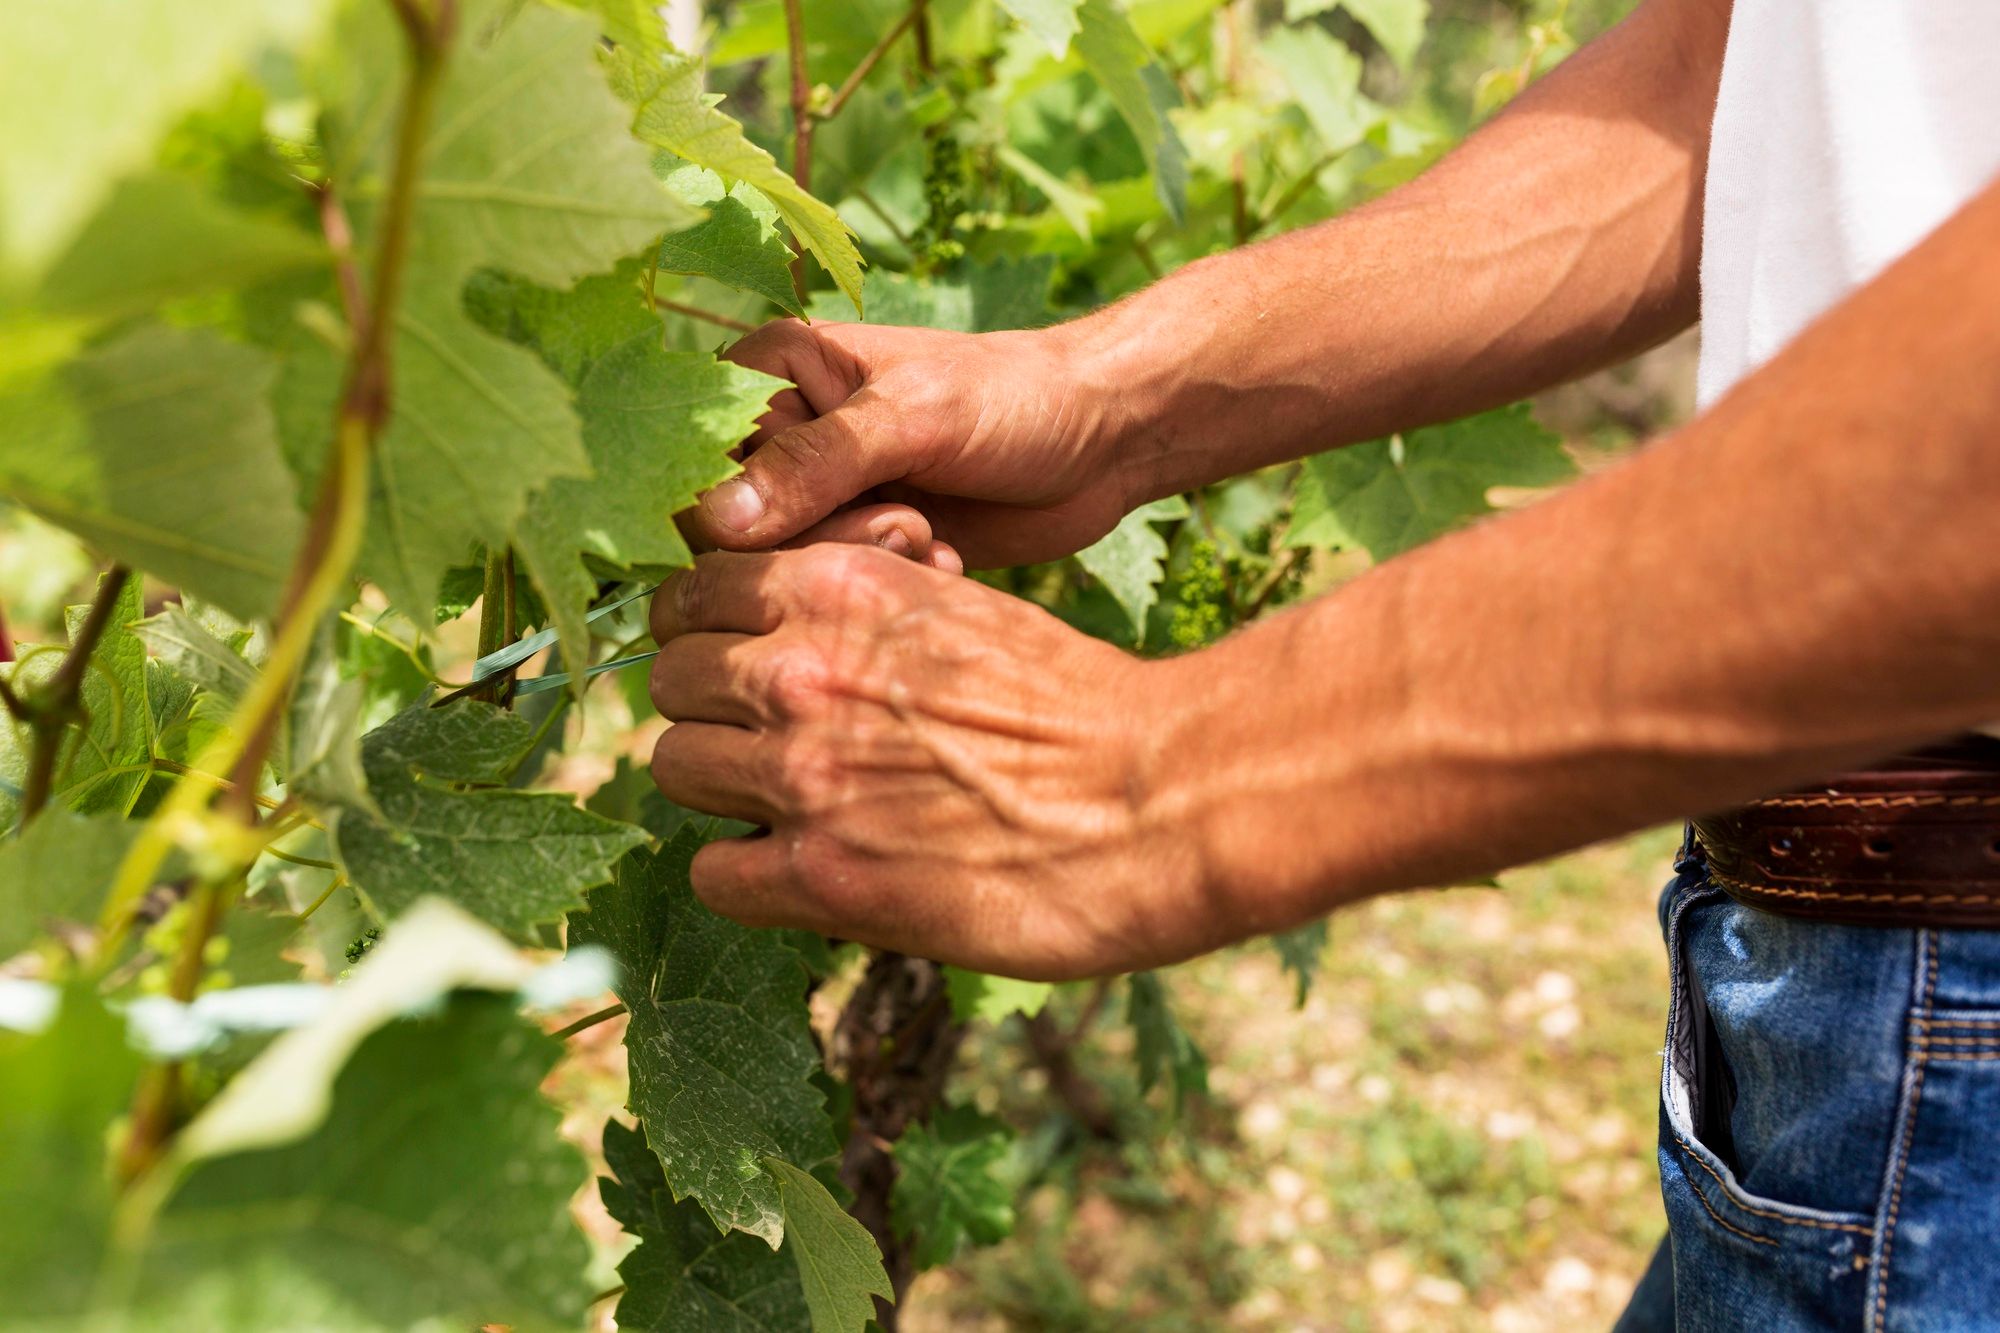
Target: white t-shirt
column 1845, row 132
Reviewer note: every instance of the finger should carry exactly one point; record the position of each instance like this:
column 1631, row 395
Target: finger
column 701, row 677
column 714, row 769
column 812, row 357
column 897, row 529
column 751, row 880
column 943, row 557
column 805, row 472
column 722, row 591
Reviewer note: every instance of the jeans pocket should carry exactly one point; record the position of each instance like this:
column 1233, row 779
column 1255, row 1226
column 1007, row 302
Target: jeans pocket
column 1697, row 1091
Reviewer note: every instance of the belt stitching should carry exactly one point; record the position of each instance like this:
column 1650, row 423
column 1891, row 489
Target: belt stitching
column 1757, row 889
column 1910, row 801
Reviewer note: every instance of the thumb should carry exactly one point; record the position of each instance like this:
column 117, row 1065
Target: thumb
column 803, row 473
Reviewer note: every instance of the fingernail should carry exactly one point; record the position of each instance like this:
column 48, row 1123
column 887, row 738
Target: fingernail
column 896, row 542
column 736, row 505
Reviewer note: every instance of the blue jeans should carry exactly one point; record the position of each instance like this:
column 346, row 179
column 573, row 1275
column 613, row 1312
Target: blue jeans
column 1829, row 1124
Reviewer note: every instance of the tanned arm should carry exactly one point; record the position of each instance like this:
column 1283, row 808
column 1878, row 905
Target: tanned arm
column 1562, row 237
column 1806, row 576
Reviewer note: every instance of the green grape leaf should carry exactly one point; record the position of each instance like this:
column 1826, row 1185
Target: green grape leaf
column 286, row 1092
column 1325, row 78
column 197, row 656
column 159, row 448
column 683, row 1277
column 464, row 741
column 948, row 1189
column 658, row 426
column 61, row 1091
column 569, row 330
column 1163, row 1047
column 1116, row 56
column 1131, row 560
column 720, row 1050
column 673, row 112
column 1052, row 23
column 254, row 938
column 159, row 237
column 511, row 858
column 737, row 244
column 1397, row 24
column 981, row 997
column 1391, row 495
column 1076, row 206
column 57, row 871
column 63, row 65
column 324, row 753
column 529, row 170
column 102, row 765
column 452, row 1206
column 840, row 1265
column 1011, row 294
column 1300, row 951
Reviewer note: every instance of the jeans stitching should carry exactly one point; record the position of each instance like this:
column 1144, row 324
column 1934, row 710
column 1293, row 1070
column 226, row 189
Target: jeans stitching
column 1919, row 1056
column 1709, row 1208
column 1738, row 1203
column 1964, row 1057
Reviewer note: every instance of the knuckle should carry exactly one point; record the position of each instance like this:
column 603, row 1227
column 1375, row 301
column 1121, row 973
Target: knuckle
column 803, row 449
column 796, row 681
column 808, row 775
column 823, row 879
column 659, row 684
column 846, row 579
column 766, row 348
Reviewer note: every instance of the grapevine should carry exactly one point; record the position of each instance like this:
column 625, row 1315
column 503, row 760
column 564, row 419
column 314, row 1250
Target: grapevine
column 422, row 301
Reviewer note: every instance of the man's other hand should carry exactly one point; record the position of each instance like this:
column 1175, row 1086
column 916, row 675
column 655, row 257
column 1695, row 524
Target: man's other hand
column 942, row 769
column 989, row 436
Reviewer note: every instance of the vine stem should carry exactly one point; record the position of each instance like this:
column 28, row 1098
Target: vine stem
column 493, row 617
column 706, row 316
column 6, row 642
column 54, row 707
column 588, row 1021
column 333, row 539
column 333, row 534
column 868, row 62
column 802, row 126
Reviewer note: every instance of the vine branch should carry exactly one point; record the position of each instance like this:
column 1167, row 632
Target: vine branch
column 333, row 532
column 706, row 316
column 588, row 1021
column 868, row 62
column 50, row 709
column 802, row 126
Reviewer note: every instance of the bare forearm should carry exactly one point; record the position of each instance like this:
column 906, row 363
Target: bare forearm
column 1804, row 578
column 1562, row 237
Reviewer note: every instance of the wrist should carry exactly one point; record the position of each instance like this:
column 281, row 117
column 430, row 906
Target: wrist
column 1117, row 375
column 1197, row 773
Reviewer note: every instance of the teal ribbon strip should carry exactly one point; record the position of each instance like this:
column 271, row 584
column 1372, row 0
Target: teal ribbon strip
column 536, row 684
column 519, row 651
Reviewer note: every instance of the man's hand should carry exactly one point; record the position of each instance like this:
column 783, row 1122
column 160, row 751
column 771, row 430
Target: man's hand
column 989, row 436
column 943, row 769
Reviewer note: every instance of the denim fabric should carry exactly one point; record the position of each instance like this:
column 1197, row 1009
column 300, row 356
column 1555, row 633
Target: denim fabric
column 1829, row 1124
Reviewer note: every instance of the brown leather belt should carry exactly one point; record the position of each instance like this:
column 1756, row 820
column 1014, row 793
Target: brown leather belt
column 1911, row 842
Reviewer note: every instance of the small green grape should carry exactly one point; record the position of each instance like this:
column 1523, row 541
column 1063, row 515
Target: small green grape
column 1201, row 591
column 362, row 943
